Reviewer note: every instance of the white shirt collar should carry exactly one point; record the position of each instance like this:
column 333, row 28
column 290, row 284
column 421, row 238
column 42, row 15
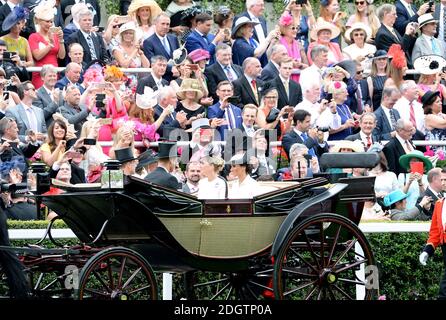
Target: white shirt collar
column 85, row 34
column 11, row 5
column 252, row 16
column 401, row 140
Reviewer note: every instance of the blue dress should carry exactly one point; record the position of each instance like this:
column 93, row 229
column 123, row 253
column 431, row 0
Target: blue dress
column 302, row 35
column 345, row 114
column 242, row 49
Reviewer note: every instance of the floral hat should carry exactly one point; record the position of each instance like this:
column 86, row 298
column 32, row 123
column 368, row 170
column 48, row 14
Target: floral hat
column 398, row 56
column 286, row 19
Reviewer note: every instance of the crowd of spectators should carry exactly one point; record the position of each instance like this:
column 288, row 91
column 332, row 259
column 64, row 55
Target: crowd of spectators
column 279, row 97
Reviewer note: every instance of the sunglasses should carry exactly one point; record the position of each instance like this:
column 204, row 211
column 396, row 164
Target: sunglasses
column 360, row 3
column 358, row 34
column 359, row 71
column 294, row 28
column 271, row 97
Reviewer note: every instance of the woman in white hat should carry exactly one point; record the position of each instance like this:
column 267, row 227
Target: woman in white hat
column 323, row 33
column 365, row 13
column 359, row 50
column 430, row 68
column 47, row 44
column 128, row 52
column 144, row 12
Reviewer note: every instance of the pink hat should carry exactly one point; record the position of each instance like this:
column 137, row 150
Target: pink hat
column 198, row 55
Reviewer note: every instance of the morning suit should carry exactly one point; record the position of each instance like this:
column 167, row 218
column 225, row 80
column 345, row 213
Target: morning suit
column 168, row 122
column 161, row 177
column 152, row 46
column 294, row 89
column 76, row 116
column 393, row 150
column 383, row 126
column 98, row 43
column 384, row 39
column 19, row 114
column 149, row 81
column 292, row 137
column 243, row 89
column 430, row 193
column 195, row 41
column 269, row 72
column 215, row 74
column 216, row 112
column 423, row 48
column 48, row 106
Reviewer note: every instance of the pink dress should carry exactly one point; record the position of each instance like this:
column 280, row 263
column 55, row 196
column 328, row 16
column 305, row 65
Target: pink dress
column 145, row 132
column 37, row 41
column 294, row 52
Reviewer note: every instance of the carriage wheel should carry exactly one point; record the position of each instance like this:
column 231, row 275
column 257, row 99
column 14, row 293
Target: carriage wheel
column 248, row 285
column 117, row 274
column 320, row 259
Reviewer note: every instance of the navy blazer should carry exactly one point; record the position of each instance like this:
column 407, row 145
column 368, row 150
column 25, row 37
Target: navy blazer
column 215, row 111
column 393, row 150
column 262, row 23
column 161, row 177
column 195, row 41
column 384, row 39
column 383, row 127
column 152, row 46
column 215, row 74
column 98, row 43
column 292, row 137
column 148, row 81
column 64, row 82
column 168, row 122
column 403, row 17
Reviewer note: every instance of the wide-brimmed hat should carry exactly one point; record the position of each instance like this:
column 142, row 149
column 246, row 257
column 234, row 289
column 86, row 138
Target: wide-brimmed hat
column 199, row 55
column 324, row 25
column 358, row 26
column 147, row 157
column 425, row 19
column 167, row 150
column 17, row 14
column 429, row 64
column 429, row 97
column 240, row 22
column 45, row 10
column 355, row 146
column 394, row 197
column 189, row 84
column 405, row 160
column 155, row 9
column 239, row 158
column 131, row 25
column 147, row 100
column 347, row 65
column 124, row 155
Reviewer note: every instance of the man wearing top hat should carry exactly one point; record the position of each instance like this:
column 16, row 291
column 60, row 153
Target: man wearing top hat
column 147, row 162
column 426, row 43
column 128, row 161
column 167, row 156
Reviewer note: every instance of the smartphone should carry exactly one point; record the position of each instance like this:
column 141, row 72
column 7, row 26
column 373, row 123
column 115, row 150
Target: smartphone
column 301, row 2
column 13, row 144
column 329, row 97
column 233, row 100
column 100, row 100
column 431, row 3
column 100, row 29
column 5, row 95
column 89, row 142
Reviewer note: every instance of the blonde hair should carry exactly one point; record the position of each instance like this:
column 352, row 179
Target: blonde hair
column 217, row 162
column 372, row 19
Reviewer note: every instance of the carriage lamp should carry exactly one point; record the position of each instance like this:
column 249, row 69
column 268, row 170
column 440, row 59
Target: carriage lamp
column 38, row 179
column 112, row 177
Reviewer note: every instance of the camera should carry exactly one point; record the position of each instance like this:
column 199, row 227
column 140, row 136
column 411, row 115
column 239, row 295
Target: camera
column 431, row 3
column 233, row 100
column 89, row 142
column 7, row 55
column 6, row 95
column 301, row 2
column 323, row 129
column 308, row 156
column 100, row 97
column 329, row 97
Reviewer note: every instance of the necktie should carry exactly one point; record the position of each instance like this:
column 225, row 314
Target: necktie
column 412, row 115
column 166, row 45
column 369, row 142
column 410, row 10
column 444, row 23
column 229, row 73
column 304, row 137
column 359, row 99
column 205, row 39
column 231, row 124
column 91, row 46
column 392, row 119
column 408, row 146
column 287, row 89
column 434, row 46
column 254, row 89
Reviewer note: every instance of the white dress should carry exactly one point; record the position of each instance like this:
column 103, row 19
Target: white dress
column 214, row 189
column 248, row 189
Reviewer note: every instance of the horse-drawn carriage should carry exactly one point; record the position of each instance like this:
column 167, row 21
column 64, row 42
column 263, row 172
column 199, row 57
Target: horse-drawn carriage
column 300, row 240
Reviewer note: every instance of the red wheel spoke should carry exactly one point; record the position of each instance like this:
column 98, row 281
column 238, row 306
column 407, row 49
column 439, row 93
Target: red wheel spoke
column 210, row 282
column 351, row 281
column 110, row 274
column 313, row 254
column 96, row 292
column 335, row 241
column 221, row 290
column 322, row 244
column 351, row 244
column 121, row 272
column 300, row 288
column 343, row 292
column 353, row 265
column 297, row 272
column 139, row 289
column 315, row 287
column 98, row 277
column 130, row 279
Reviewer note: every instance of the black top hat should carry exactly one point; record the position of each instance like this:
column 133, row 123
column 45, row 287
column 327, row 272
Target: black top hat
column 124, row 155
column 145, row 158
column 167, row 150
column 429, row 97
